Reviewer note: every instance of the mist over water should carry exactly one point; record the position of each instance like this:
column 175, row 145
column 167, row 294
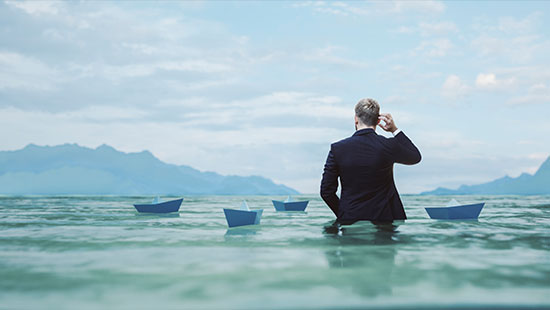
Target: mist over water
column 91, row 252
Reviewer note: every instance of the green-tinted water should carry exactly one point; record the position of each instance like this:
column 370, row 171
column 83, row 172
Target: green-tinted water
column 92, row 252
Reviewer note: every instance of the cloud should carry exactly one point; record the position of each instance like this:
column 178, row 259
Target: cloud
column 511, row 38
column 268, row 117
column 145, row 69
column 37, row 7
column 340, row 8
column 405, row 30
column 517, row 49
column 486, row 80
column 430, row 29
column 441, row 28
column 98, row 53
column 509, row 25
column 489, row 81
column 513, row 25
column 454, row 87
column 531, row 74
column 21, row 72
column 292, row 109
column 434, row 48
column 430, row 6
column 537, row 94
column 337, row 8
column 328, row 55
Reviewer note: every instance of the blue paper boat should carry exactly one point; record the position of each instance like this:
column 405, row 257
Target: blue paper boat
column 456, row 212
column 290, row 205
column 242, row 217
column 160, row 207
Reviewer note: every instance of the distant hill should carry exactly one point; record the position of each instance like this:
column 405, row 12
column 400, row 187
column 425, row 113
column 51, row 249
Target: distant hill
column 525, row 184
column 72, row 169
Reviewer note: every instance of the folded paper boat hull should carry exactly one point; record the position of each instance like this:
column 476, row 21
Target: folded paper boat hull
column 163, row 207
column 464, row 212
column 241, row 217
column 290, row 206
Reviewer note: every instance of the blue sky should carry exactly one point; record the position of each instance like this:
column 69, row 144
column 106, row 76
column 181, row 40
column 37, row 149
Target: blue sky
column 264, row 87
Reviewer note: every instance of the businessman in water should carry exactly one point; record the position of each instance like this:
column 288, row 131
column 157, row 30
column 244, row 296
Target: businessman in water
column 364, row 163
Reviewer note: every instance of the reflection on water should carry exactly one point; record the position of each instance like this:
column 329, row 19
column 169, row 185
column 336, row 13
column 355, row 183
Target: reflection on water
column 366, row 248
column 291, row 213
column 363, row 233
column 153, row 215
column 242, row 231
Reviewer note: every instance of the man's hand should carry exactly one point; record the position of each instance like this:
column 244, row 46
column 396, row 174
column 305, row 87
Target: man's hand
column 388, row 120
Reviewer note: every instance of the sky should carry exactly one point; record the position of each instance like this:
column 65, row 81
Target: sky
column 264, row 88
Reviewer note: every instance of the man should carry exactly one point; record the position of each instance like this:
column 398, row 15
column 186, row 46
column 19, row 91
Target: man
column 364, row 164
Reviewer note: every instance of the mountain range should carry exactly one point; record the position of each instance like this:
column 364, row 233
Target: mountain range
column 525, row 184
column 73, row 169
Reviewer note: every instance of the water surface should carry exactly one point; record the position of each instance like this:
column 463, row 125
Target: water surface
column 91, row 252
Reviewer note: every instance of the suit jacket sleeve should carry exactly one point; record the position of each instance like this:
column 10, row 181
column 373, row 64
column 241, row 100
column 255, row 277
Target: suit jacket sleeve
column 329, row 183
column 405, row 152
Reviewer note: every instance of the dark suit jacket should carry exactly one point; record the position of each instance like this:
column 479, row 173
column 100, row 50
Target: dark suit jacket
column 364, row 164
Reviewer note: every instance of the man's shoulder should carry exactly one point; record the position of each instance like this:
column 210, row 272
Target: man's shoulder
column 342, row 142
column 354, row 139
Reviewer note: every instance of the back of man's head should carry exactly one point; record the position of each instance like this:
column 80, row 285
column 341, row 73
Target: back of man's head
column 367, row 111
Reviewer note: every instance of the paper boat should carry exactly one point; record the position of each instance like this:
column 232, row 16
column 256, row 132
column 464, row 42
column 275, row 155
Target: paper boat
column 290, row 205
column 455, row 211
column 243, row 216
column 159, row 206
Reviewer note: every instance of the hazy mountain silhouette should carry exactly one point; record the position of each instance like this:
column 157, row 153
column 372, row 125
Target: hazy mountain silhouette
column 73, row 169
column 525, row 184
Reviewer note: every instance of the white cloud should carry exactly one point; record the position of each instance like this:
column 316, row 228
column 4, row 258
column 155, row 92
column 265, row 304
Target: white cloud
column 333, row 8
column 430, row 29
column 453, row 87
column 486, row 80
column 429, row 6
column 333, row 11
column 510, row 24
column 21, row 72
column 37, row 7
column 434, row 48
column 328, row 55
column 531, row 74
column 144, row 69
column 291, row 108
column 405, row 30
column 104, row 114
column 141, row 48
column 539, row 88
column 489, row 81
column 516, row 49
column 517, row 42
column 373, row 8
column 537, row 94
column 441, row 28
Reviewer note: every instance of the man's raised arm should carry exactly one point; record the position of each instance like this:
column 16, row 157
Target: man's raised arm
column 405, row 151
column 329, row 184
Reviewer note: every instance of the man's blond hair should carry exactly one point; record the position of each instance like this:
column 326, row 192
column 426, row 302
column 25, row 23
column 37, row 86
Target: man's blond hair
column 367, row 110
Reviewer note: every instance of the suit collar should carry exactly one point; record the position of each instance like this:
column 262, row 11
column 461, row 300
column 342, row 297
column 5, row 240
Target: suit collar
column 363, row 131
